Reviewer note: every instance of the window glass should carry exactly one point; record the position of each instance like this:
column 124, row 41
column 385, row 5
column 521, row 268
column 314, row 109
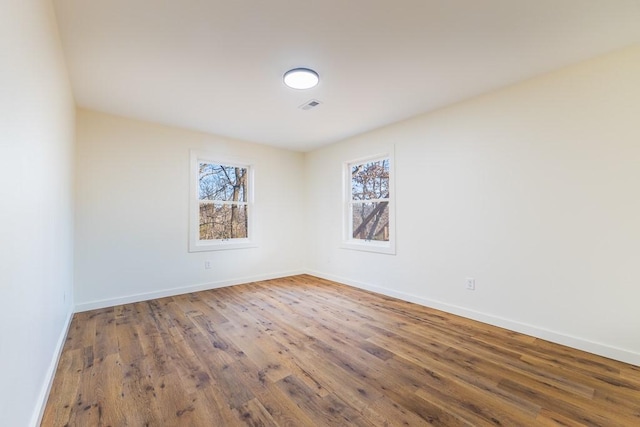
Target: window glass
column 368, row 205
column 220, row 204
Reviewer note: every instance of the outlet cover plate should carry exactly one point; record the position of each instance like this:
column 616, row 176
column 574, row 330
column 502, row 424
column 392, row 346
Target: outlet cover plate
column 471, row 284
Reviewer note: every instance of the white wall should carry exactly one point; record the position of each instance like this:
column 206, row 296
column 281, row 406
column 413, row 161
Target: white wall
column 132, row 204
column 534, row 190
column 36, row 207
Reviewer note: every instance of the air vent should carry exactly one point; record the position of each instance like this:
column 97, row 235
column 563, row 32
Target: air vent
column 310, row 104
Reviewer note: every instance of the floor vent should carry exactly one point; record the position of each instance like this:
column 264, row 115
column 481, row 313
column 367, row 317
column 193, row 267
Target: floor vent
column 310, row 104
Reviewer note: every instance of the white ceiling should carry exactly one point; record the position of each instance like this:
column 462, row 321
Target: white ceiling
column 216, row 66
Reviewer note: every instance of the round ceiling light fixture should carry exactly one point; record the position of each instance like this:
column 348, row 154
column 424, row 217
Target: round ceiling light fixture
column 301, row 78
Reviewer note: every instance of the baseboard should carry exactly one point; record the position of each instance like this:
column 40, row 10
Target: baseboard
column 600, row 349
column 36, row 418
column 110, row 302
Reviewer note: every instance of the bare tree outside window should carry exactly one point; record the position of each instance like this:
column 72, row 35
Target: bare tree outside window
column 222, row 195
column 370, row 200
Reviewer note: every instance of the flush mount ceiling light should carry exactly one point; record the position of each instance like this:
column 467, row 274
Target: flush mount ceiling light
column 301, row 78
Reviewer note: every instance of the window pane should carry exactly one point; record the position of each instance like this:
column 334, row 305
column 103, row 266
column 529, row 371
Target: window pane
column 224, row 183
column 370, row 180
column 223, row 221
column 371, row 221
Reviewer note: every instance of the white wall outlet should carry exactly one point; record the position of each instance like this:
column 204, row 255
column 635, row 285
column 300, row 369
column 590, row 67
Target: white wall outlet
column 471, row 284
column 207, row 265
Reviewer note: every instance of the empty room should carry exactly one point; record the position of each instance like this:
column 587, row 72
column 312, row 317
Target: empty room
column 319, row 213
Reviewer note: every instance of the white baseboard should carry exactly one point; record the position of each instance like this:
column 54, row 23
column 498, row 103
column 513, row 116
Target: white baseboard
column 600, row 349
column 36, row 418
column 110, row 302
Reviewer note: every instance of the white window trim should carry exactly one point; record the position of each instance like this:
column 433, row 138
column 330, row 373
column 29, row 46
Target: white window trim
column 197, row 245
column 348, row 242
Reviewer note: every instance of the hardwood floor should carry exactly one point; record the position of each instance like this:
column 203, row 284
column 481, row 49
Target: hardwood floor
column 302, row 351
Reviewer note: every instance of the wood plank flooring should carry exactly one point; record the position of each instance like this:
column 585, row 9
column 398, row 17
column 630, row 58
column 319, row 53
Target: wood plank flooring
column 302, row 351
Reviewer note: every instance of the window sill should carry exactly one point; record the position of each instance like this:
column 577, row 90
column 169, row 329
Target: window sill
column 370, row 246
column 222, row 245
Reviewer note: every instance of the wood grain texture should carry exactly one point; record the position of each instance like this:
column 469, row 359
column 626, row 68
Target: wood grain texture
column 303, row 351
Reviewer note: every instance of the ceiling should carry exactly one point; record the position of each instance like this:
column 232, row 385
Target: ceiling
column 216, row 66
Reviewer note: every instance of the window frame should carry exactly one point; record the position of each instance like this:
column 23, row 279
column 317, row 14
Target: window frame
column 348, row 241
column 195, row 243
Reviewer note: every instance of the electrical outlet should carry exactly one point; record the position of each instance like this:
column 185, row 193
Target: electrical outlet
column 471, row 284
column 207, row 265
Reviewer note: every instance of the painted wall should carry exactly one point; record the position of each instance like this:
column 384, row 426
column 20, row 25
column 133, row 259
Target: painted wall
column 36, row 207
column 132, row 212
column 533, row 190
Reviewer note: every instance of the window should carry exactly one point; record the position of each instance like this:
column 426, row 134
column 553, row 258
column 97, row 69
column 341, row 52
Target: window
column 369, row 213
column 220, row 204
